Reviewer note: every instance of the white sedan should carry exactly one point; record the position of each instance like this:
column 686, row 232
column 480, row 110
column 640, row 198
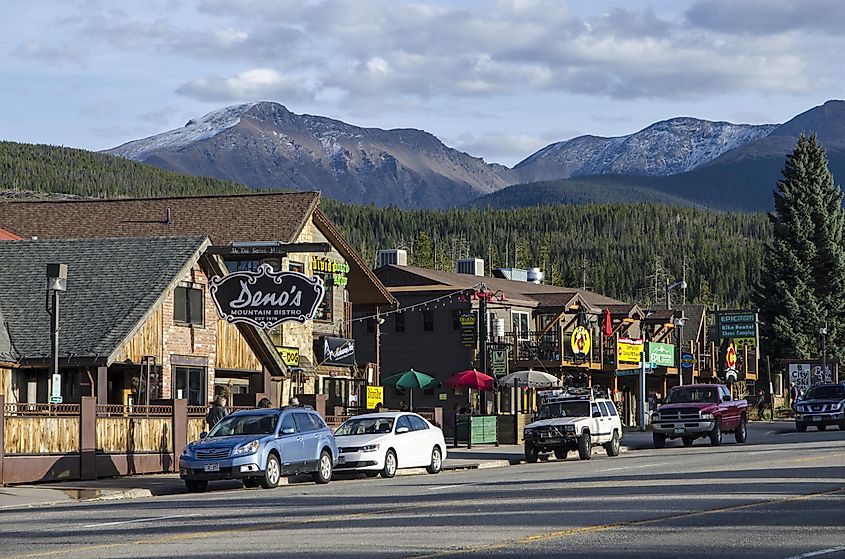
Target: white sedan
column 384, row 442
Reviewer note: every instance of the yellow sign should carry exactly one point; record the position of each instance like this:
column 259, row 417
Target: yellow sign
column 580, row 341
column 290, row 355
column 375, row 396
column 628, row 351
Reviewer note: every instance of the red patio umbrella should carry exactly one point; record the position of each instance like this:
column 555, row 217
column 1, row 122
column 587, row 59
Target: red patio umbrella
column 607, row 324
column 471, row 379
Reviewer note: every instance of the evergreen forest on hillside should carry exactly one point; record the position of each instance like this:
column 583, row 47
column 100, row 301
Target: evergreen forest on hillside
column 53, row 169
column 627, row 251
column 623, row 250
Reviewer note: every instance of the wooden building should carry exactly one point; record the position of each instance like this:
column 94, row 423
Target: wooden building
column 227, row 220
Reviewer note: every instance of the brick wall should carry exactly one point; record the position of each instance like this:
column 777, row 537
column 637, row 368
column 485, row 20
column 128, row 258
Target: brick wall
column 191, row 341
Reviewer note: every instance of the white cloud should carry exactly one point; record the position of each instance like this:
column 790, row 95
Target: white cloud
column 257, row 83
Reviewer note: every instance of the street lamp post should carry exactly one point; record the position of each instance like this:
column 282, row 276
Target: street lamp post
column 56, row 282
column 823, row 334
column 679, row 325
column 682, row 284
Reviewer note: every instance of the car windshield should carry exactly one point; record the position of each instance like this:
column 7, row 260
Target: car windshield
column 564, row 409
column 365, row 426
column 263, row 424
column 830, row 391
column 692, row 394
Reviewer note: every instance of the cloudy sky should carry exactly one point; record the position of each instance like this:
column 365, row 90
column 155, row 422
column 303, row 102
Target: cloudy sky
column 498, row 80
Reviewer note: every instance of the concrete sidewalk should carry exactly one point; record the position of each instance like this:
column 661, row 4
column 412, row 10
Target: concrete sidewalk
column 127, row 487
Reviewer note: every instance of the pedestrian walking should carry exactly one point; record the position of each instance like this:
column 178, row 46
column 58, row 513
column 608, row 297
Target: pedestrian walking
column 293, row 401
column 762, row 404
column 217, row 412
column 794, row 392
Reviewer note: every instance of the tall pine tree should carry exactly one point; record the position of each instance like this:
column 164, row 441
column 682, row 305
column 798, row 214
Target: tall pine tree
column 803, row 280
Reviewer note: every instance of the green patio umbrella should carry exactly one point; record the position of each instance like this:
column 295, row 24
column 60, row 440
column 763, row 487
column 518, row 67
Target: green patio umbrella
column 409, row 380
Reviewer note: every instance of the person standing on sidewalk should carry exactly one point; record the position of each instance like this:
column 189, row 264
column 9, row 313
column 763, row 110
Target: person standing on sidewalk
column 217, row 412
column 762, row 404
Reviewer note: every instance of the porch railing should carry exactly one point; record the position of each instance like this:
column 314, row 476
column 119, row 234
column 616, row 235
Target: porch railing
column 118, row 410
column 41, row 409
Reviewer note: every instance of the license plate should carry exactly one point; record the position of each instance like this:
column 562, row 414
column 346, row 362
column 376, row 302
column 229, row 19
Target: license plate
column 817, row 418
column 211, row 467
column 341, row 459
column 679, row 430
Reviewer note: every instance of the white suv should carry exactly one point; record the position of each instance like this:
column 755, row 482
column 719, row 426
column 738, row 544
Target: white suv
column 573, row 421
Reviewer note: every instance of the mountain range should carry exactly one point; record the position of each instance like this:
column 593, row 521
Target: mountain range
column 683, row 161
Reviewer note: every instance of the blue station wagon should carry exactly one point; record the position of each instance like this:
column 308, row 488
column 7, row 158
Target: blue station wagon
column 259, row 447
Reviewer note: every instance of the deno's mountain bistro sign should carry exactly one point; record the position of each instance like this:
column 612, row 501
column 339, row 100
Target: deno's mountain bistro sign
column 265, row 298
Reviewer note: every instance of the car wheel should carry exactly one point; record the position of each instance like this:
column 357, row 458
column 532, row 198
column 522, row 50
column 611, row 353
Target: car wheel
column 390, row 465
column 250, row 482
column 584, row 446
column 196, row 485
column 561, row 453
column 821, row 427
column 659, row 440
column 716, row 434
column 324, row 468
column 612, row 447
column 531, row 453
column 272, row 473
column 800, row 427
column 687, row 441
column 436, row 461
column 741, row 432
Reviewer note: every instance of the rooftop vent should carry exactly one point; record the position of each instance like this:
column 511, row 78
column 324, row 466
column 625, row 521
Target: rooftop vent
column 513, row 274
column 394, row 256
column 535, row 275
column 470, row 266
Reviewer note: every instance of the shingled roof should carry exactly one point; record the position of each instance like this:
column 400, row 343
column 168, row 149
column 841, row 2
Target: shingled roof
column 111, row 285
column 247, row 217
column 222, row 218
column 7, row 350
column 400, row 279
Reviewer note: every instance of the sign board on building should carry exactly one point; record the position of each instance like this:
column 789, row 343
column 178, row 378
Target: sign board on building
column 498, row 362
column 628, row 350
column 805, row 375
column 469, row 332
column 661, row 354
column 333, row 268
column 56, row 389
column 335, row 351
column 266, row 298
column 687, row 360
column 580, row 341
column 741, row 326
column 290, row 355
column 375, row 396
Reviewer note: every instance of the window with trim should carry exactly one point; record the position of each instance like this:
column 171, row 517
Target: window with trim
column 188, row 306
column 519, row 324
column 190, row 383
column 399, row 325
column 294, row 266
column 428, row 321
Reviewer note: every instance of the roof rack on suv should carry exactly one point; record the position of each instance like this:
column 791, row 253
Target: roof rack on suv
column 572, row 393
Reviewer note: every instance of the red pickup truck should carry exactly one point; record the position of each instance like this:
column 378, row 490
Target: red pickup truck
column 699, row 410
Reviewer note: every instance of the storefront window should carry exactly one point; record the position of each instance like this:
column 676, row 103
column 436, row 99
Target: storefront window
column 326, row 309
column 190, row 383
column 519, row 324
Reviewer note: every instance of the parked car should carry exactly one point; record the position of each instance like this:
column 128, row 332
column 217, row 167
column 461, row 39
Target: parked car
column 822, row 405
column 381, row 443
column 700, row 410
column 575, row 421
column 259, row 447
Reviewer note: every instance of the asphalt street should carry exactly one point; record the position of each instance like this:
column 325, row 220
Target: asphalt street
column 780, row 496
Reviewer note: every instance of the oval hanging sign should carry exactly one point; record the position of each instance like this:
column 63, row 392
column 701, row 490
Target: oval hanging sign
column 265, row 298
column 730, row 356
column 580, row 341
